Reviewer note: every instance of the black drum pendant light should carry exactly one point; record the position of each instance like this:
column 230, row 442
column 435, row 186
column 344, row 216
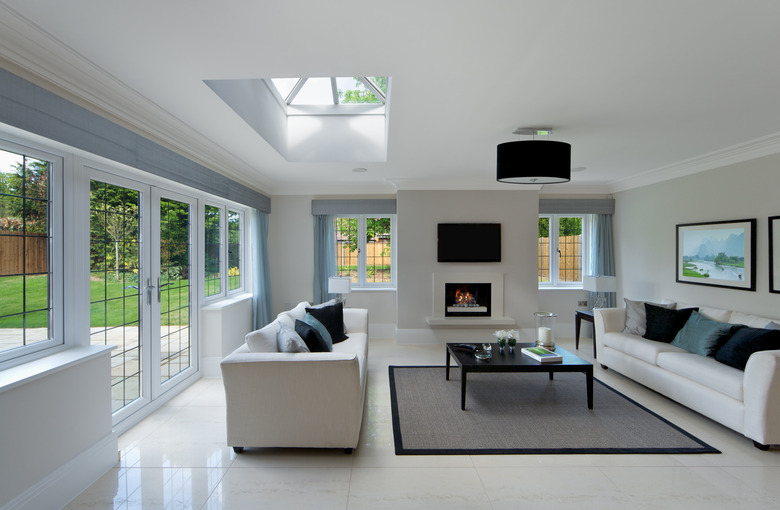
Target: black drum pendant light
column 533, row 161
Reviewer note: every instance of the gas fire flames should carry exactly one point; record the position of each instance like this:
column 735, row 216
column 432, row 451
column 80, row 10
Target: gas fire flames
column 464, row 298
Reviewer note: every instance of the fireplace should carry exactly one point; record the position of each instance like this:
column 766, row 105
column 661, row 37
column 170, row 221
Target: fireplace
column 467, row 299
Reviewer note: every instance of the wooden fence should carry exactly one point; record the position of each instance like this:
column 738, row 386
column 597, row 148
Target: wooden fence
column 22, row 255
column 569, row 262
column 378, row 254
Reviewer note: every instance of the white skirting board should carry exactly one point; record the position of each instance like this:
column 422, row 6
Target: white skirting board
column 71, row 479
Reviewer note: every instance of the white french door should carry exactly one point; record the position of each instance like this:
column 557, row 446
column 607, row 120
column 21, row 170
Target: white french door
column 142, row 276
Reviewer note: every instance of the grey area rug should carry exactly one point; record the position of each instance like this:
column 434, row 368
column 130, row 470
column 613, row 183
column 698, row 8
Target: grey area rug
column 523, row 414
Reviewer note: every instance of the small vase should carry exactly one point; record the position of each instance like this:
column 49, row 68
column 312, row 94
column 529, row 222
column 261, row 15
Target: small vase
column 511, row 343
column 501, row 344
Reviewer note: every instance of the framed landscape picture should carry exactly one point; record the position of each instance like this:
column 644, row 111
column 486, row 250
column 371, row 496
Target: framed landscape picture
column 774, row 254
column 718, row 253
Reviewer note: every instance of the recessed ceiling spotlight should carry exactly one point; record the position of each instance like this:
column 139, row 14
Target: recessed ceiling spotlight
column 360, row 170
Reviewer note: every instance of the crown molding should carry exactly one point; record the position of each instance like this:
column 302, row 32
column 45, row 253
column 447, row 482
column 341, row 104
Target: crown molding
column 765, row 146
column 37, row 56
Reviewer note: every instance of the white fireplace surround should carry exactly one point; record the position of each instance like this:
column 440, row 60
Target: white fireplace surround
column 496, row 319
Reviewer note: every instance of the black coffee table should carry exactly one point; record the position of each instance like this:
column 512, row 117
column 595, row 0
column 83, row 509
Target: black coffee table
column 515, row 362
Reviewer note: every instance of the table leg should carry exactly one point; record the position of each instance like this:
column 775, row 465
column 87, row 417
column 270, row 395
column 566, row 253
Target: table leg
column 462, row 389
column 589, row 383
column 577, row 323
column 594, row 339
column 551, row 375
column 447, row 370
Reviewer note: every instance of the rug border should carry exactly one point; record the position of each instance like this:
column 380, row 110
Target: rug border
column 400, row 450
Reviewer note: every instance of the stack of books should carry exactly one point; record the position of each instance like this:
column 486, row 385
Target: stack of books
column 541, row 354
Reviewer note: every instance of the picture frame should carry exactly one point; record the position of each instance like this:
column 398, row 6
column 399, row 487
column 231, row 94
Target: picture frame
column 774, row 254
column 717, row 254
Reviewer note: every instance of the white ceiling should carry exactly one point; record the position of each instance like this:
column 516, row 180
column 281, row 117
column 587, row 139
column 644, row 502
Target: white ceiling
column 643, row 90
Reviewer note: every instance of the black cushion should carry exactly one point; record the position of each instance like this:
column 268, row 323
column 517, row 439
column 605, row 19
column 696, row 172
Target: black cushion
column 332, row 317
column 664, row 323
column 744, row 342
column 311, row 336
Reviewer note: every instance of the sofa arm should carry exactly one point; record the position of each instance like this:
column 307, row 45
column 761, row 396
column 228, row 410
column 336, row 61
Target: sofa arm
column 293, row 399
column 761, row 389
column 609, row 320
column 356, row 320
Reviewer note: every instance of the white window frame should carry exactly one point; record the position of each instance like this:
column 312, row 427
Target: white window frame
column 554, row 261
column 242, row 248
column 23, row 354
column 362, row 263
column 224, row 208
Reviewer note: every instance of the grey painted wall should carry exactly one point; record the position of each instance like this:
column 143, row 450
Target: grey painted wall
column 644, row 229
column 419, row 212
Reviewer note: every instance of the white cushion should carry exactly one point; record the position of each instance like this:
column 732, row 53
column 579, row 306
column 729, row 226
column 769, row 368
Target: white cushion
column 753, row 321
column 705, row 371
column 299, row 312
column 262, row 340
column 638, row 347
column 716, row 314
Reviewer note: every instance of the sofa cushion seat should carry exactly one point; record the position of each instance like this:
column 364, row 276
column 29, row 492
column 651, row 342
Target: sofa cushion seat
column 638, row 347
column 705, row 371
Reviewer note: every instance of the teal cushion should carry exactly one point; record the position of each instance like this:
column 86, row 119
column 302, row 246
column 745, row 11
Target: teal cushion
column 700, row 335
column 312, row 321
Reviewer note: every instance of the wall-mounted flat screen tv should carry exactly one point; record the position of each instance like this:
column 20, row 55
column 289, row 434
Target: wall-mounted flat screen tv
column 469, row 242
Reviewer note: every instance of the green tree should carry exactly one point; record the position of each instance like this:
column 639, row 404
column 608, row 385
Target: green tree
column 362, row 95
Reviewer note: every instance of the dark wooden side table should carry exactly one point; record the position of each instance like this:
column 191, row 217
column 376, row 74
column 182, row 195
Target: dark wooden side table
column 579, row 316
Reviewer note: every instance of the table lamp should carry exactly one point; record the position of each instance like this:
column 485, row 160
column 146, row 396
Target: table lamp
column 599, row 285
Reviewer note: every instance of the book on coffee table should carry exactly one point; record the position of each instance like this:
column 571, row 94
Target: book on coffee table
column 541, row 354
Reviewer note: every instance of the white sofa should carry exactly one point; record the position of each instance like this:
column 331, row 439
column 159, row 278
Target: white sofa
column 746, row 401
column 300, row 399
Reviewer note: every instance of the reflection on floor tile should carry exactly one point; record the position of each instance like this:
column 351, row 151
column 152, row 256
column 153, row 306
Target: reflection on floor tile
column 177, row 458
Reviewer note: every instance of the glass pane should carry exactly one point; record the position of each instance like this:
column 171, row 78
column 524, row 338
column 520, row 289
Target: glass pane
column 570, row 250
column 213, row 250
column 24, row 244
column 347, row 247
column 284, row 85
column 174, row 287
column 379, row 82
column 352, row 90
column 114, row 284
column 378, row 251
column 316, row 91
column 234, row 250
column 544, row 250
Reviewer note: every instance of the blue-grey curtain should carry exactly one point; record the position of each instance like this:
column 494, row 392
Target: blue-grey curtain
column 602, row 257
column 324, row 255
column 261, row 274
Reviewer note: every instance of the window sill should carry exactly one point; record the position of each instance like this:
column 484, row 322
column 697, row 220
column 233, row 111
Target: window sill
column 373, row 289
column 561, row 288
column 27, row 372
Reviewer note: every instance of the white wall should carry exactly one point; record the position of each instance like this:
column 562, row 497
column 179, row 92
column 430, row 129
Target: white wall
column 644, row 230
column 291, row 256
column 56, row 428
column 419, row 212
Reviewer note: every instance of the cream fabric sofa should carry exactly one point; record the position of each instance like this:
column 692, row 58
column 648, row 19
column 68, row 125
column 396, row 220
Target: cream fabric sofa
column 301, row 399
column 747, row 402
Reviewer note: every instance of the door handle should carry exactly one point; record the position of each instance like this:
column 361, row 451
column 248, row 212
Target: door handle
column 149, row 288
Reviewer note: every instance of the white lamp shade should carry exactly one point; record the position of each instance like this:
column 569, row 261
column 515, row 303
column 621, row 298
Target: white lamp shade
column 600, row 283
column 339, row 285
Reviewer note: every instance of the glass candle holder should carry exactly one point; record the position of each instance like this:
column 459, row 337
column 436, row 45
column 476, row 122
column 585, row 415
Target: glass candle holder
column 545, row 329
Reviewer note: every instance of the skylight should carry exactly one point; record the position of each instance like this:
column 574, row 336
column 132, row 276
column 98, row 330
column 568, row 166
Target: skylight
column 332, row 91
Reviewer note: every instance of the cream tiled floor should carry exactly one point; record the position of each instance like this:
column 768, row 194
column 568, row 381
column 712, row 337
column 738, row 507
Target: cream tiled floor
column 177, row 458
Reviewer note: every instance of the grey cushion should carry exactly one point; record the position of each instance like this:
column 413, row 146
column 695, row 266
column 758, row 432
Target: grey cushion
column 287, row 340
column 772, row 325
column 636, row 318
